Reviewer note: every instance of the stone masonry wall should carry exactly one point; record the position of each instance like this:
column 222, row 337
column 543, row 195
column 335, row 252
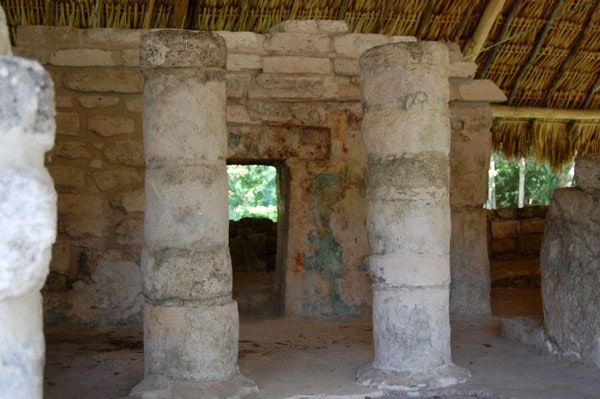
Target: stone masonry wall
column 515, row 234
column 293, row 97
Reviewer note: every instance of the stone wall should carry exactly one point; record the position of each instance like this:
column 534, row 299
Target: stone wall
column 293, row 98
column 515, row 233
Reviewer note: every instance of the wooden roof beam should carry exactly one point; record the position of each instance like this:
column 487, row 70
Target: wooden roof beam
column 505, row 111
column 486, row 23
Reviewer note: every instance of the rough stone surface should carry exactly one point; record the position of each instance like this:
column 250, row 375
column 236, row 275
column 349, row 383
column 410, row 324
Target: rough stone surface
column 587, row 172
column 177, row 48
column 408, row 220
column 27, row 217
column 570, row 270
column 191, row 343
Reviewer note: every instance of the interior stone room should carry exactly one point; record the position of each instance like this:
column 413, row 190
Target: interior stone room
column 384, row 275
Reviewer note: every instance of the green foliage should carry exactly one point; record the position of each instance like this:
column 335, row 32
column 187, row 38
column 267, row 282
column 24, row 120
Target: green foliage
column 540, row 182
column 252, row 191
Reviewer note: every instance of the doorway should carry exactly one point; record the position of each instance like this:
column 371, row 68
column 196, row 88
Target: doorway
column 257, row 230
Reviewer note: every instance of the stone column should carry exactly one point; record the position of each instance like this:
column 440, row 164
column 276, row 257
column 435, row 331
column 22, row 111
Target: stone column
column 190, row 320
column 570, row 265
column 406, row 131
column 28, row 220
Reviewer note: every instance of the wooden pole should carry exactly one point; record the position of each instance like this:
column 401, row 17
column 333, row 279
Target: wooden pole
column 504, row 111
column 486, row 23
column 179, row 14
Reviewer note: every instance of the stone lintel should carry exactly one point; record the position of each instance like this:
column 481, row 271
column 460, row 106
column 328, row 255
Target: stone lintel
column 480, row 90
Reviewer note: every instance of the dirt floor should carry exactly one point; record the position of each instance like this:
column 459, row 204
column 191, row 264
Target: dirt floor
column 313, row 358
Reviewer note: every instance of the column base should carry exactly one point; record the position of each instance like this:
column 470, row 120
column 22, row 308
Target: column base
column 412, row 380
column 161, row 387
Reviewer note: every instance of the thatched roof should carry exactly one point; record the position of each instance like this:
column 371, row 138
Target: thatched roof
column 542, row 53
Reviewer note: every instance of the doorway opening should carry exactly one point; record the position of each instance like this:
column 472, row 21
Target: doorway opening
column 257, row 230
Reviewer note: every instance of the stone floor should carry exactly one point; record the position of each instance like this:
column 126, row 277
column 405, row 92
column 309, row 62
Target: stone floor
column 312, row 358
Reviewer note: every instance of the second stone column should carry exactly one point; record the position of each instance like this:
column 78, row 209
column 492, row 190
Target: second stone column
column 406, row 131
column 191, row 323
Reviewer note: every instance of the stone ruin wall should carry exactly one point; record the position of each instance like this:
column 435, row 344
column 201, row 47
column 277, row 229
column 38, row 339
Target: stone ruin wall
column 516, row 234
column 293, row 97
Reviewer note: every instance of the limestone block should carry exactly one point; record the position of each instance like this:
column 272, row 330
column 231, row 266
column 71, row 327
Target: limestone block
column 131, row 57
column 411, row 328
column 313, row 26
column 309, row 113
column 28, row 214
column 174, row 131
column 297, row 65
column 240, row 42
column 240, row 62
column 96, row 164
column 408, row 176
column 190, row 275
column 130, row 232
column 587, row 171
column 5, row 48
column 469, row 263
column 84, row 57
column 297, row 43
column 77, row 226
column 81, row 204
column 410, row 269
column 179, row 342
column 403, row 39
column 505, row 228
column 59, row 37
column 98, row 101
column 238, row 114
column 67, row 123
column 481, row 90
column 182, row 48
column 21, row 346
column 462, row 70
column 125, row 152
column 353, row 45
column 346, row 66
column 63, row 102
column 420, row 225
column 108, row 80
column 186, row 205
column 298, row 143
column 470, row 153
column 419, row 90
column 570, row 272
column 108, row 125
column 131, row 201
column 530, row 226
column 71, row 150
column 134, row 105
column 61, row 257
column 279, row 86
column 386, row 131
column 504, row 245
column 237, row 84
column 41, row 55
column 67, row 176
column 121, row 179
